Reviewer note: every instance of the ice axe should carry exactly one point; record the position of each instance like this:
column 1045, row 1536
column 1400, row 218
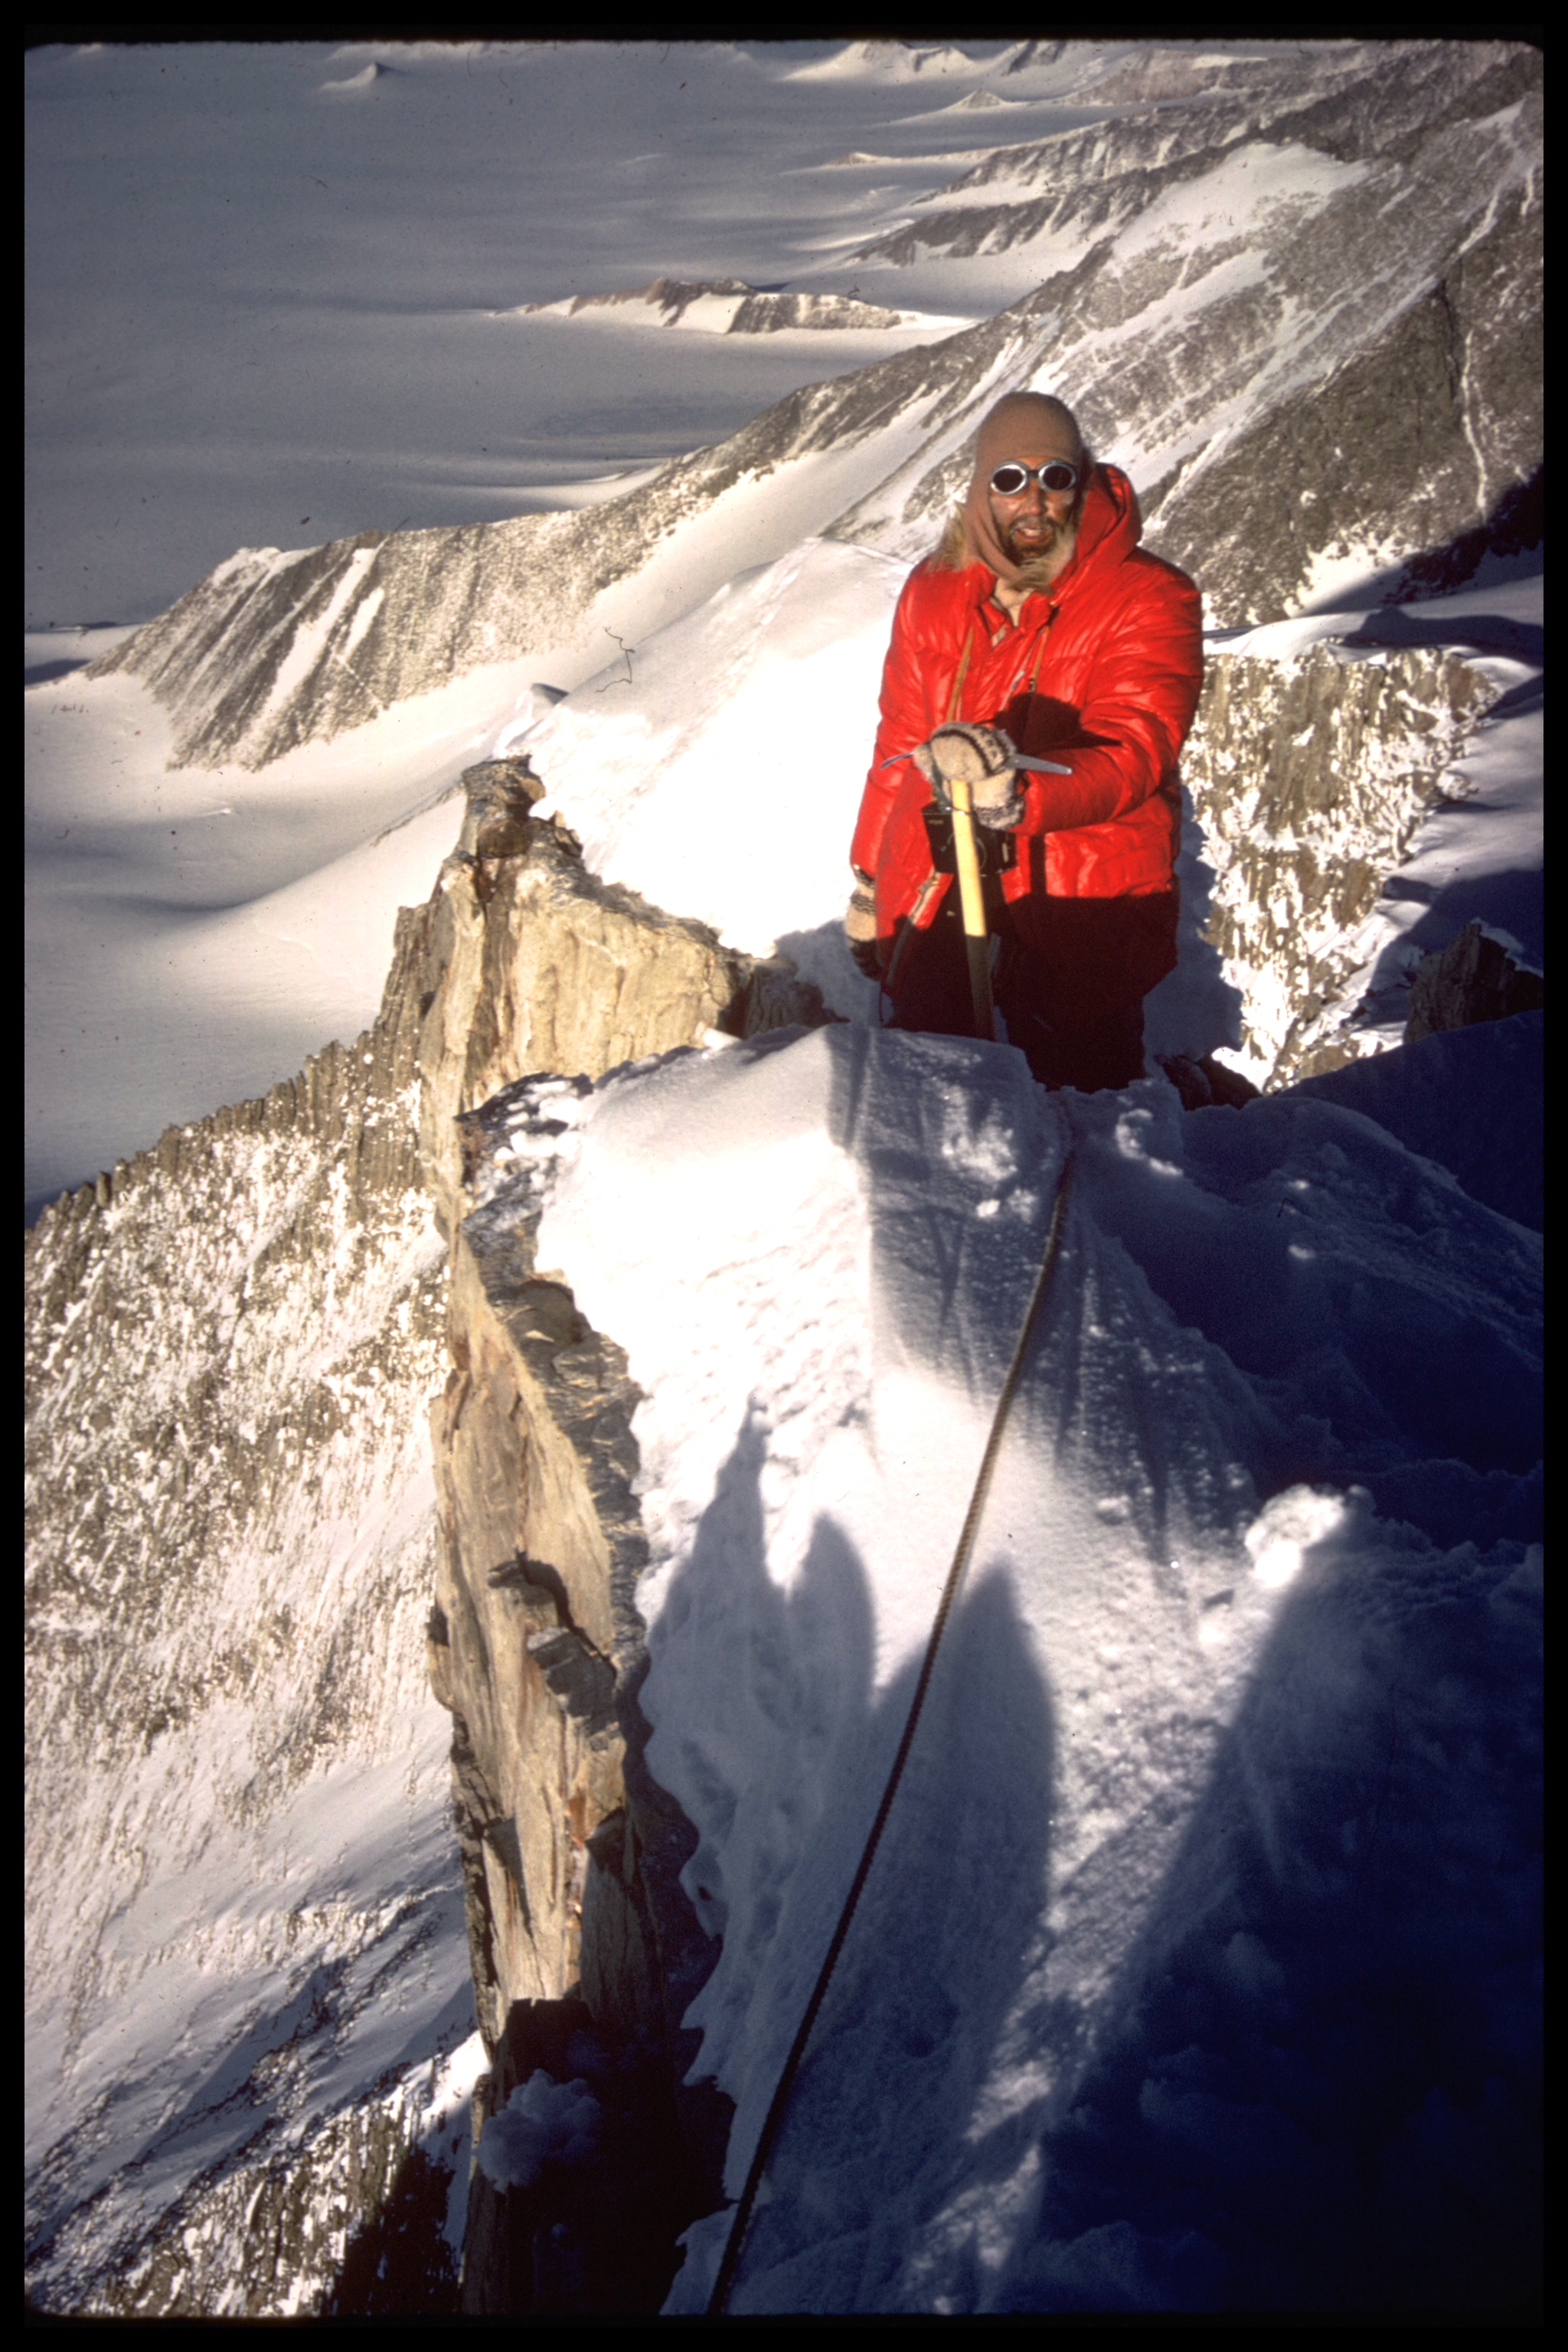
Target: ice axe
column 961, row 756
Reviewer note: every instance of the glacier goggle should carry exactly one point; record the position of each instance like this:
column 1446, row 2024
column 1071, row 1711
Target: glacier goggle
column 1009, row 481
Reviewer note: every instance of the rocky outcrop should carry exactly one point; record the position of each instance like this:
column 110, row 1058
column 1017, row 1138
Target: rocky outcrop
column 535, row 964
column 570, row 1853
column 1309, row 777
column 1473, row 978
column 234, row 1543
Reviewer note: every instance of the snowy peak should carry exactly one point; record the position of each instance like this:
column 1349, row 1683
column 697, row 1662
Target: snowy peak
column 890, row 61
column 1352, row 275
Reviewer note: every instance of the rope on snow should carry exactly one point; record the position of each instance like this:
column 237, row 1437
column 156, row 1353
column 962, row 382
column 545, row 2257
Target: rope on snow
column 776, row 2114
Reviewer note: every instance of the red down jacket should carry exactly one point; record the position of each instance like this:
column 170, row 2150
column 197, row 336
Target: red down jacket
column 1117, row 641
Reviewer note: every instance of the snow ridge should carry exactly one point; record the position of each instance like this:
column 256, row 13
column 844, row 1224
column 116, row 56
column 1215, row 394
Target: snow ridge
column 1149, row 1842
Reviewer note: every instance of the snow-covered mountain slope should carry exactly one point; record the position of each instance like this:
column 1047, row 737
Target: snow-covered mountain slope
column 1305, row 318
column 313, row 314
column 1327, row 313
column 1264, row 1926
column 242, row 1928
column 248, row 1969
column 1203, row 1779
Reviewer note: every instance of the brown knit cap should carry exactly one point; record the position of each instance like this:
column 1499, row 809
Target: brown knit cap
column 1027, row 424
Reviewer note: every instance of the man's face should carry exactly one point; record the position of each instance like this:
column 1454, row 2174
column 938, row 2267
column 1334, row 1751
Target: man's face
column 1031, row 523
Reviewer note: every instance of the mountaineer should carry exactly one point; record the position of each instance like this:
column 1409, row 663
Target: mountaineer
column 1043, row 629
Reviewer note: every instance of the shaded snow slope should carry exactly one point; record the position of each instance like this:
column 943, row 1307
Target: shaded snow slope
column 1195, row 1971
column 1472, row 1099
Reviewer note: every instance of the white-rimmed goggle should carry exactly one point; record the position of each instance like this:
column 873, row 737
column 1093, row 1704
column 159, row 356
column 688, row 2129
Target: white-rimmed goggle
column 1009, row 479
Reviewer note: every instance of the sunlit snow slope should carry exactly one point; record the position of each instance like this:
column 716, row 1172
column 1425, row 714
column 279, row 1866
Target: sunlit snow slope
column 195, row 933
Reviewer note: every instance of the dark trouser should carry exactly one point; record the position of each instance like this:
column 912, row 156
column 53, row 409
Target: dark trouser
column 1069, row 980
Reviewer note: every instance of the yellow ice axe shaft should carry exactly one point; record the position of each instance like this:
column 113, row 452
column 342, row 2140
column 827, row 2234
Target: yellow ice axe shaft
column 971, row 897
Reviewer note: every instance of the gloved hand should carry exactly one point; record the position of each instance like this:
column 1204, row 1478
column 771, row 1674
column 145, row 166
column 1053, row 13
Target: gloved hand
column 860, row 927
column 981, row 757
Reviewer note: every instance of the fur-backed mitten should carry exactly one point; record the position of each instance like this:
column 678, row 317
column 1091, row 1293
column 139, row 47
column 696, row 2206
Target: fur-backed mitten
column 980, row 757
column 860, row 927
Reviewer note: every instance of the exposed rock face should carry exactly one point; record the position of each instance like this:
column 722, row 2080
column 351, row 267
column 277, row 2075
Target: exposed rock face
column 542, row 967
column 1473, row 978
column 1309, row 777
column 540, row 1549
column 1304, row 311
column 535, row 1645
column 569, row 1852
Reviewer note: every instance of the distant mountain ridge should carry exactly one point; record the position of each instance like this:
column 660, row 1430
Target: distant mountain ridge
column 1306, row 321
column 729, row 306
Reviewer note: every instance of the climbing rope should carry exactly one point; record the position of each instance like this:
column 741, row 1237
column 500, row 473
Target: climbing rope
column 776, row 2114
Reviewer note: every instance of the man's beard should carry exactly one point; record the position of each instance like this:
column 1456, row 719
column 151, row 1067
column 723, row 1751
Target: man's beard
column 1039, row 562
